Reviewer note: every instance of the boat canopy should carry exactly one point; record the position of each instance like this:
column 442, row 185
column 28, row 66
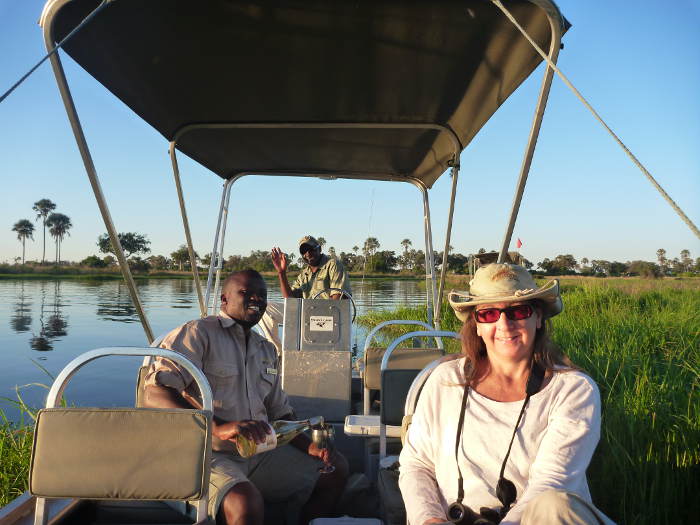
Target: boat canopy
column 373, row 89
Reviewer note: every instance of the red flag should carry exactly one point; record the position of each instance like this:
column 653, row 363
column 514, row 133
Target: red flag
column 519, row 243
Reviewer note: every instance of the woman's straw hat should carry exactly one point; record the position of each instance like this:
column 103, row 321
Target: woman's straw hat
column 505, row 283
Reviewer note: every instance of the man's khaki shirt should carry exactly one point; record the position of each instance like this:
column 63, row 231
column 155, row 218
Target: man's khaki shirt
column 244, row 378
column 330, row 274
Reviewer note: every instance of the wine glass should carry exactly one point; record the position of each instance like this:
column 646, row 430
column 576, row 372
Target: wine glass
column 323, row 438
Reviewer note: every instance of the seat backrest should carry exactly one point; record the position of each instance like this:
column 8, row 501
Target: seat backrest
column 395, row 386
column 120, row 453
column 401, row 358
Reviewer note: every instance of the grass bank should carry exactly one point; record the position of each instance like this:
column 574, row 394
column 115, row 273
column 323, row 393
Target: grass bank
column 15, row 451
column 640, row 341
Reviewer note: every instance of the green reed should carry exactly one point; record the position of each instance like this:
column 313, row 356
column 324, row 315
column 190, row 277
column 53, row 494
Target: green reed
column 15, row 452
column 640, row 341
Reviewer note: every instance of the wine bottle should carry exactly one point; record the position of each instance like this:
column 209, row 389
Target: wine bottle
column 282, row 433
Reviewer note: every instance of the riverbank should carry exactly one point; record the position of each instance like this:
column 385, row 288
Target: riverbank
column 640, row 341
column 112, row 274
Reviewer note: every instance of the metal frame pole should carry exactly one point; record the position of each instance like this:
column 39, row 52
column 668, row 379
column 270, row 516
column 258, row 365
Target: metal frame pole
column 186, row 225
column 430, row 288
column 443, row 270
column 214, row 254
column 534, row 133
column 224, row 220
column 94, row 180
column 552, row 64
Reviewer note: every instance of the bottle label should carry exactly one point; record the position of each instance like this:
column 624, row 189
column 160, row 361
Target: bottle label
column 269, row 443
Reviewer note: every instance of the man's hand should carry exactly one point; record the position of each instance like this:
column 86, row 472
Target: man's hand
column 279, row 260
column 323, row 454
column 250, row 428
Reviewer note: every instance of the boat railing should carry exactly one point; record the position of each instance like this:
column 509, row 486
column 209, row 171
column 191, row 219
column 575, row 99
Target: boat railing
column 415, row 358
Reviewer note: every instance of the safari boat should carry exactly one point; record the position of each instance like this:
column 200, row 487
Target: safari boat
column 367, row 90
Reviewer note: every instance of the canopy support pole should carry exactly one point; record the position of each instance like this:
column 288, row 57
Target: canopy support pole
column 534, row 134
column 443, row 270
column 430, row 287
column 95, row 182
column 188, row 236
column 217, row 252
column 552, row 64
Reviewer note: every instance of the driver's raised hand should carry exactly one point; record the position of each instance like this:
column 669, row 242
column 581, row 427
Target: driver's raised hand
column 279, row 259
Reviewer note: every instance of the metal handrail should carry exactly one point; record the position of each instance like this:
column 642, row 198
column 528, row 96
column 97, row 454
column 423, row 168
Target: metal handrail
column 59, row 384
column 373, row 332
column 396, row 342
column 368, row 342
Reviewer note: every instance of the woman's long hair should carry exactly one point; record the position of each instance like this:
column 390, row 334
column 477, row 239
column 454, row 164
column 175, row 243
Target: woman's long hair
column 546, row 353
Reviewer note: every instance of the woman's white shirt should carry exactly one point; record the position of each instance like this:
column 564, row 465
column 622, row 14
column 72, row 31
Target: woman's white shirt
column 552, row 448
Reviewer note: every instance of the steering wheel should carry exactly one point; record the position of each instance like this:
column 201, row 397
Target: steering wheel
column 342, row 293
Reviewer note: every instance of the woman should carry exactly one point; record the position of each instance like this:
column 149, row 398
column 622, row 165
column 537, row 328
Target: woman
column 505, row 432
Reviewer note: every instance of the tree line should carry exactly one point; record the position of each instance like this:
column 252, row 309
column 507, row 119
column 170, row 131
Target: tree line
column 368, row 258
column 663, row 266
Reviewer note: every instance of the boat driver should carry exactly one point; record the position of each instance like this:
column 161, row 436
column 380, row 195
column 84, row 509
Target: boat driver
column 242, row 369
column 323, row 277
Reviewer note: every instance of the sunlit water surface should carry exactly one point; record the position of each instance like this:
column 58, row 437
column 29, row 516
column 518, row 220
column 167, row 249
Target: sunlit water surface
column 44, row 324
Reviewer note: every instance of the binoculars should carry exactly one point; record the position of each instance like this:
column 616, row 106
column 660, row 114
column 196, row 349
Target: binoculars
column 463, row 515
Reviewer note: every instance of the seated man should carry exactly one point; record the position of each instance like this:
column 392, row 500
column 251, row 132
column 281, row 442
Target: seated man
column 242, row 369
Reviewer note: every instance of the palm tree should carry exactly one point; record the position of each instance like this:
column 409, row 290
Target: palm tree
column 406, row 243
column 369, row 248
column 42, row 208
column 24, row 229
column 59, row 225
column 663, row 261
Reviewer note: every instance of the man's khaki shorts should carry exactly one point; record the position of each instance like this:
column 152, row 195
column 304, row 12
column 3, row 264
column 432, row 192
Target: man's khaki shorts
column 283, row 475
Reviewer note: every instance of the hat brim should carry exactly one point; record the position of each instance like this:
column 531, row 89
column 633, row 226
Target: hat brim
column 462, row 302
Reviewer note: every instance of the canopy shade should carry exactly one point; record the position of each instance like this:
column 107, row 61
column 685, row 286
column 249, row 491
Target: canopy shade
column 414, row 64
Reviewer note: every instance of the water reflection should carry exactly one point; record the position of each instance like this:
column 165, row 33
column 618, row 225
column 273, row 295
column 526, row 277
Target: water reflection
column 21, row 320
column 53, row 324
column 114, row 304
column 54, row 321
column 183, row 293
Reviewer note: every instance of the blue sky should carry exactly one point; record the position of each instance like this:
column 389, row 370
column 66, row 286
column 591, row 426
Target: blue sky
column 639, row 67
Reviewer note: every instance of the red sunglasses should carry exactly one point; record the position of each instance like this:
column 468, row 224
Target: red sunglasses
column 513, row 313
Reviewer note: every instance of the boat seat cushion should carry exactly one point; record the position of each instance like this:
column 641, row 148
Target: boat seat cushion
column 401, row 358
column 119, row 453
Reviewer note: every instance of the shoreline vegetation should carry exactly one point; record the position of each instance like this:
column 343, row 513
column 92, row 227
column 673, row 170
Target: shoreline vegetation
column 91, row 273
column 452, row 279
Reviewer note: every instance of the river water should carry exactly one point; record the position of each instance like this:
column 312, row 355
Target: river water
column 44, row 324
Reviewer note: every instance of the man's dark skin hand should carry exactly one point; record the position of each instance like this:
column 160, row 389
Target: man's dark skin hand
column 311, row 255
